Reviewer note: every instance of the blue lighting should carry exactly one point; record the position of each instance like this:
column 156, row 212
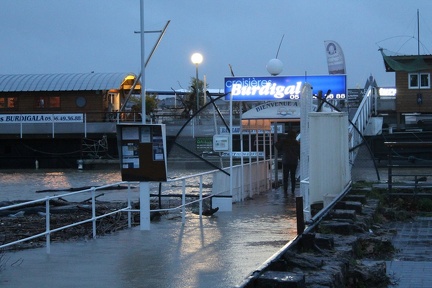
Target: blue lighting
column 278, row 88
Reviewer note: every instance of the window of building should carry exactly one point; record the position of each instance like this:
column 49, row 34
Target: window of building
column 47, row 102
column 54, row 102
column 424, row 81
column 419, row 81
column 8, row 103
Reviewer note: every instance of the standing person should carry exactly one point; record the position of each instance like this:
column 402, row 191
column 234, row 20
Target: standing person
column 290, row 149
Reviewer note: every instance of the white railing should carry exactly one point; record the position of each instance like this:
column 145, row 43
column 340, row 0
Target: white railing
column 360, row 120
column 61, row 123
column 260, row 183
column 255, row 175
column 49, row 231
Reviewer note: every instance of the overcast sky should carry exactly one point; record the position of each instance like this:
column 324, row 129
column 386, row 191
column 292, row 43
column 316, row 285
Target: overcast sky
column 76, row 36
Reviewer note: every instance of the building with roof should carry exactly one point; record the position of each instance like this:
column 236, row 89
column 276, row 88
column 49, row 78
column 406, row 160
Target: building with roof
column 46, row 117
column 413, row 84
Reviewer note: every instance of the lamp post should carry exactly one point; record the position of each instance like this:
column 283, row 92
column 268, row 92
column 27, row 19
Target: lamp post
column 196, row 59
column 143, row 93
column 275, row 67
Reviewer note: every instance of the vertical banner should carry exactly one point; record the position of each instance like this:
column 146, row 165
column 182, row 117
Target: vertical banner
column 335, row 58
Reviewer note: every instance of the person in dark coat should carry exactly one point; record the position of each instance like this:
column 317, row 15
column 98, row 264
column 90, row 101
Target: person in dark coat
column 290, row 149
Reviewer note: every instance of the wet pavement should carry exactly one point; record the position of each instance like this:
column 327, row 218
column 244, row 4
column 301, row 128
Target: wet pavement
column 216, row 251
column 412, row 264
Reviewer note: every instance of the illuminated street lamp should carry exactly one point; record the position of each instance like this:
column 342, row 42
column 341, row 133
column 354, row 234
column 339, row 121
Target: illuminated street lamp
column 196, row 59
column 274, row 67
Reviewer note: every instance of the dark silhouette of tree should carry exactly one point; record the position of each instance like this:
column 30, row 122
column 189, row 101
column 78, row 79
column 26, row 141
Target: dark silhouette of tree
column 151, row 104
column 189, row 100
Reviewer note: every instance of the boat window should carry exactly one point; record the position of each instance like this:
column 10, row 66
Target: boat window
column 8, row 102
column 47, row 102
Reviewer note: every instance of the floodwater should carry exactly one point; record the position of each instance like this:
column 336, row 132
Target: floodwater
column 24, row 184
column 216, row 251
column 35, row 184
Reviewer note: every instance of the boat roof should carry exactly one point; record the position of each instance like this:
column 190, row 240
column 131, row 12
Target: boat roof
column 62, row 81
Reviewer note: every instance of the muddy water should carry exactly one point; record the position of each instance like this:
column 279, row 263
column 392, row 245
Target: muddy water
column 28, row 184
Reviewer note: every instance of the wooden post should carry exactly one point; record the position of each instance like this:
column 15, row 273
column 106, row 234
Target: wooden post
column 300, row 216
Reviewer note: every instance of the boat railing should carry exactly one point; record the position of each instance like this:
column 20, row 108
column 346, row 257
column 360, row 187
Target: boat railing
column 84, row 123
column 64, row 123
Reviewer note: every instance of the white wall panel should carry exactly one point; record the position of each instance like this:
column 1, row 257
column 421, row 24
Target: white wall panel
column 328, row 155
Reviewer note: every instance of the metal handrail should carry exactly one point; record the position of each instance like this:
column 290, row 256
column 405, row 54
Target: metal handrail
column 360, row 121
column 48, row 230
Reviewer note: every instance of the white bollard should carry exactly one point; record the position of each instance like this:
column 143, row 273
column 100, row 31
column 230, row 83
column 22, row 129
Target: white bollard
column 80, row 163
column 144, row 206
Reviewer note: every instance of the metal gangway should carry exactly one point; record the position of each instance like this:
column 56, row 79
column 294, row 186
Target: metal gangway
column 361, row 119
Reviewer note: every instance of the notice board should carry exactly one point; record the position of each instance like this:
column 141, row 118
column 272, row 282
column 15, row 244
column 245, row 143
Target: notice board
column 142, row 152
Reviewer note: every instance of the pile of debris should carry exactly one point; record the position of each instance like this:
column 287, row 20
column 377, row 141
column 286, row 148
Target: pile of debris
column 23, row 222
column 347, row 248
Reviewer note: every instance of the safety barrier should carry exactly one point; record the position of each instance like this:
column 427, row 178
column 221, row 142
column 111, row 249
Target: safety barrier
column 414, row 169
column 360, row 121
column 49, row 231
column 256, row 178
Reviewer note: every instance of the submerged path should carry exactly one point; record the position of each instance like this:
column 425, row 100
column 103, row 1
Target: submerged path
column 217, row 251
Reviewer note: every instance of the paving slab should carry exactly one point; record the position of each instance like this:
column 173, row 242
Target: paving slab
column 412, row 264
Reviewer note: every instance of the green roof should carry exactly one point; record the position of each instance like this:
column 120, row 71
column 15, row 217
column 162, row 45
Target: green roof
column 407, row 63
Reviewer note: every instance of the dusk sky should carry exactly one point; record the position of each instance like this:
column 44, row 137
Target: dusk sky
column 77, row 36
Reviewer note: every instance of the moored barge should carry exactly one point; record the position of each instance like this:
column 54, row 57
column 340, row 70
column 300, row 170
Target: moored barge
column 51, row 120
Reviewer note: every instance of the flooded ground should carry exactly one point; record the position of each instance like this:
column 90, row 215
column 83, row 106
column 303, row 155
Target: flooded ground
column 28, row 184
column 23, row 184
column 216, row 251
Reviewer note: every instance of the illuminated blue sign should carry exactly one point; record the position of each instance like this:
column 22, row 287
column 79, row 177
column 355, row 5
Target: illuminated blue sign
column 282, row 87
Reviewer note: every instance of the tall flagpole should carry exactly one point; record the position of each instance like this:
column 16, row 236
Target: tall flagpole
column 418, row 33
column 143, row 92
column 144, row 186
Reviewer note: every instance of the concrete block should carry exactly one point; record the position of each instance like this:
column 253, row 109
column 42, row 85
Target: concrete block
column 355, row 197
column 350, row 205
column 344, row 214
column 277, row 279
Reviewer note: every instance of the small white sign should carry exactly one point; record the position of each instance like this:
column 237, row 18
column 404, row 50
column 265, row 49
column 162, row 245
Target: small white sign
column 42, row 118
column 221, row 143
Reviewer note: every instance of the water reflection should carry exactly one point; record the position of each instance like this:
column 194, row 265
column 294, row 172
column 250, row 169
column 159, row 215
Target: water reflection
column 55, row 180
column 23, row 185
